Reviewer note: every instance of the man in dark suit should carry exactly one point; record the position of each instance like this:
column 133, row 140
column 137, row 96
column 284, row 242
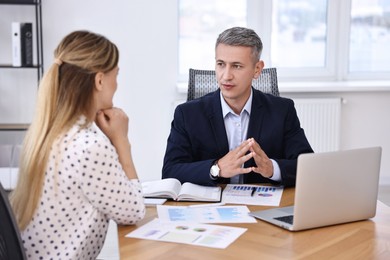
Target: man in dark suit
column 236, row 134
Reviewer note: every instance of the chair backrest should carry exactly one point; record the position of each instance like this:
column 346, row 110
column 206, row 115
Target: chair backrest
column 11, row 245
column 202, row 82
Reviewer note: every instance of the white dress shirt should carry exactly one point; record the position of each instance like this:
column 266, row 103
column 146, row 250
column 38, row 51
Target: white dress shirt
column 237, row 130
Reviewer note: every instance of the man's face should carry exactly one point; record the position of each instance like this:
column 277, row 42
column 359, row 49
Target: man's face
column 235, row 69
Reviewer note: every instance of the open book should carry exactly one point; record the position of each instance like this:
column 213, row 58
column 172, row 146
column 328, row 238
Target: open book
column 171, row 188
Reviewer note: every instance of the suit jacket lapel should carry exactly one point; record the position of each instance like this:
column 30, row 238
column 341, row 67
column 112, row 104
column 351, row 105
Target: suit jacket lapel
column 255, row 125
column 256, row 117
column 217, row 123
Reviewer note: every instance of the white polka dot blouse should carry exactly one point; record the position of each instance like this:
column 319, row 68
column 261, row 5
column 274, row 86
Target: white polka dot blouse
column 84, row 187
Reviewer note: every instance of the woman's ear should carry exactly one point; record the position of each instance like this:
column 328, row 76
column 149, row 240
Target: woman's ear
column 99, row 81
column 258, row 68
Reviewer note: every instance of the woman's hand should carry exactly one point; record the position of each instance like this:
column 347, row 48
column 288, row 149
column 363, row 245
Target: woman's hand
column 114, row 124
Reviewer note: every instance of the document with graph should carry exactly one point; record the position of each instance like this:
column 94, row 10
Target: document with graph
column 207, row 214
column 188, row 233
column 250, row 194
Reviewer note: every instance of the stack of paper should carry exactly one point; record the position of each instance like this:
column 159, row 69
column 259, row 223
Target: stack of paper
column 187, row 224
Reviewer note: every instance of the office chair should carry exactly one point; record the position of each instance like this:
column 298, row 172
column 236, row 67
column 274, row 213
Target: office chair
column 202, row 82
column 11, row 245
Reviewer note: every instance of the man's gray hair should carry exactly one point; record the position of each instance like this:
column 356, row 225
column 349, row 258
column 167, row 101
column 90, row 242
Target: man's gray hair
column 240, row 36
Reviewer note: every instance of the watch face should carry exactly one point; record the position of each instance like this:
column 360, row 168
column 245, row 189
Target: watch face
column 214, row 171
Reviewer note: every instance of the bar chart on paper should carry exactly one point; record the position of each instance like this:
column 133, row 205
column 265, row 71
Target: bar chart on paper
column 252, row 194
column 210, row 214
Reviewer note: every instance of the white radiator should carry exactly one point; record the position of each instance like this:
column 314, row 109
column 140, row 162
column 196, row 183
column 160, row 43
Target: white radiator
column 320, row 118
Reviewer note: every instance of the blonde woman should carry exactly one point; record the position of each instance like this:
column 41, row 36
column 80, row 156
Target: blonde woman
column 72, row 177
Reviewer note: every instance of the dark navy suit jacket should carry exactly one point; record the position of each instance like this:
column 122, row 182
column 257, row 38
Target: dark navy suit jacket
column 198, row 138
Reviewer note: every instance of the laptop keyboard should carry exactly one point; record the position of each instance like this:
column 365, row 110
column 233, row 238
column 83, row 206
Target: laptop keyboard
column 288, row 219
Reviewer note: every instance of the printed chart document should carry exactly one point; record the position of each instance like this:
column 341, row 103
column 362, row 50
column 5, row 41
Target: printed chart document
column 188, row 233
column 172, row 189
column 252, row 194
column 222, row 214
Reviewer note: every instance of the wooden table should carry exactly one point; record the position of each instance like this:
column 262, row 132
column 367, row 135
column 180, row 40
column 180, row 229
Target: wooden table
column 368, row 239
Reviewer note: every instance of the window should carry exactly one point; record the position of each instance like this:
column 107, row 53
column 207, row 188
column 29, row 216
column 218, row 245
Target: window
column 370, row 36
column 299, row 34
column 200, row 23
column 305, row 39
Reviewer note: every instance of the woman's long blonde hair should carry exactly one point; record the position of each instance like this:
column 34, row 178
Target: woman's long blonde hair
column 65, row 93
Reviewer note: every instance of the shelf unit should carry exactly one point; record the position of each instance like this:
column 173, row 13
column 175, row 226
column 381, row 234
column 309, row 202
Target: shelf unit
column 38, row 28
column 12, row 133
column 38, row 62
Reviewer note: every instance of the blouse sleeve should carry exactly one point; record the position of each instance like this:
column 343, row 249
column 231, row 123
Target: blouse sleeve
column 106, row 185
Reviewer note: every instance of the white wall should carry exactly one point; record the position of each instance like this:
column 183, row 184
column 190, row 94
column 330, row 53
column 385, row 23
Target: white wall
column 146, row 34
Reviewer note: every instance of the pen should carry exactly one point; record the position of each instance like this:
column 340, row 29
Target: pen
column 253, row 191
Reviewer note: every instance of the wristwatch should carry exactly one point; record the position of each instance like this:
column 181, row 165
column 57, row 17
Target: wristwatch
column 214, row 170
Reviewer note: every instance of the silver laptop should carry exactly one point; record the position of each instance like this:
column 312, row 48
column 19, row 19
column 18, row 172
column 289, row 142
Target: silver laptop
column 331, row 188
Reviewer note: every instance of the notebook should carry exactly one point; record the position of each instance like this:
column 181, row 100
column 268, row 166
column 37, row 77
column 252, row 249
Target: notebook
column 331, row 188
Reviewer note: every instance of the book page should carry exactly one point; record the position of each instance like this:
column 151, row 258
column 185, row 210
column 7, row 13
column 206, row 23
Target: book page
column 154, row 201
column 194, row 192
column 165, row 188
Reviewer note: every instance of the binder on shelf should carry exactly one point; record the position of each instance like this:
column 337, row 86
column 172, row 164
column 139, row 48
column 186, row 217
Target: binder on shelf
column 22, row 49
column 16, row 45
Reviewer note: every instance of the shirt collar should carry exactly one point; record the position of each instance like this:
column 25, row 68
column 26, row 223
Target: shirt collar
column 226, row 109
